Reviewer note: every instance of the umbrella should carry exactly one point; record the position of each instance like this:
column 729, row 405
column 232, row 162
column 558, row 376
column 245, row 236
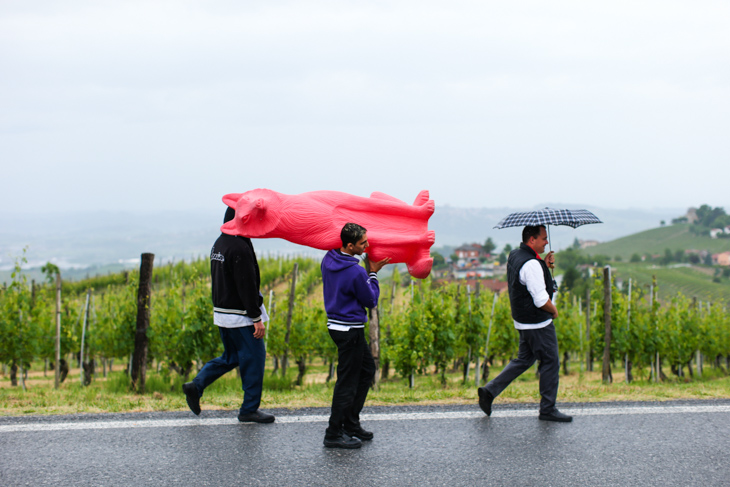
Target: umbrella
column 548, row 216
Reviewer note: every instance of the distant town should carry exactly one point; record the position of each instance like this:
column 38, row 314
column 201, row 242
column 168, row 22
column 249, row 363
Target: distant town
column 476, row 263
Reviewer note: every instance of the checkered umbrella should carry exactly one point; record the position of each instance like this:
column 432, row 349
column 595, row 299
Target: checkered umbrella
column 548, row 216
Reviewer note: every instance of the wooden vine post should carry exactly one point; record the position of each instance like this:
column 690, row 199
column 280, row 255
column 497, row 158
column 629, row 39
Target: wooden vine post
column 57, row 380
column 589, row 349
column 139, row 357
column 607, row 321
column 292, row 297
column 477, row 374
column 83, row 337
column 485, row 374
column 375, row 343
column 627, row 362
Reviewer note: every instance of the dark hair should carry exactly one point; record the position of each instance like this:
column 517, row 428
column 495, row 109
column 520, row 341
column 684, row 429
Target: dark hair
column 531, row 231
column 230, row 213
column 351, row 233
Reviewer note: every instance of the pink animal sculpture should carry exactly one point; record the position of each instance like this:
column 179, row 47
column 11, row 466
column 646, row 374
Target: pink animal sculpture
column 395, row 229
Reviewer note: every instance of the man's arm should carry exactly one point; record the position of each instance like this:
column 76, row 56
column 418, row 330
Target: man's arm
column 531, row 276
column 245, row 276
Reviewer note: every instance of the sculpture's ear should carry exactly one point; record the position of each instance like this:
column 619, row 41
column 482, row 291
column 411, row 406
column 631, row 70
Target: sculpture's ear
column 229, row 228
column 231, row 199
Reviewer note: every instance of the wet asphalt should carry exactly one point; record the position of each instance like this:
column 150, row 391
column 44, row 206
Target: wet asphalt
column 597, row 450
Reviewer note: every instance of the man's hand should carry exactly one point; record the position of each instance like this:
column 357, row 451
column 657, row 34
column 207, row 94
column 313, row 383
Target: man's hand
column 550, row 259
column 550, row 308
column 376, row 266
column 259, row 330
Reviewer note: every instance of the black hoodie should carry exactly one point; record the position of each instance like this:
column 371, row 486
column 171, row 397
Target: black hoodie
column 235, row 277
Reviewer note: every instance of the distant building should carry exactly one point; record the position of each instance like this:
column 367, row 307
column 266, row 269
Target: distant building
column 584, row 244
column 473, row 272
column 492, row 284
column 470, row 251
column 723, row 258
column 691, row 215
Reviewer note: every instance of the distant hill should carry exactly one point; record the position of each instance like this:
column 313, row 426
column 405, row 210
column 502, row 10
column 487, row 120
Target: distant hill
column 655, row 241
column 705, row 283
column 455, row 226
column 692, row 281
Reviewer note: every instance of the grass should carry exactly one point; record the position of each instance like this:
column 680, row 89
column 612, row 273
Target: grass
column 111, row 395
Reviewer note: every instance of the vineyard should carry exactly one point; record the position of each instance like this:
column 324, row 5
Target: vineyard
column 423, row 327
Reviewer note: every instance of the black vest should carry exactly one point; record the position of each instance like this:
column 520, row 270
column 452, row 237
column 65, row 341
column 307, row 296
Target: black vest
column 523, row 307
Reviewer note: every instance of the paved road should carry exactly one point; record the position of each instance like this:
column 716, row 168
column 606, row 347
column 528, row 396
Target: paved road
column 677, row 443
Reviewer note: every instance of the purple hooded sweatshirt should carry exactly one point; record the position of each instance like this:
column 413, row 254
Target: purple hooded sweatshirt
column 348, row 290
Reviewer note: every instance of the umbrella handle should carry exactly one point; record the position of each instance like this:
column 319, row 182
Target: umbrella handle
column 550, row 245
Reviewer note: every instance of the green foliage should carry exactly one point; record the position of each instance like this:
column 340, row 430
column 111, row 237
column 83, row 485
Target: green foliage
column 438, row 260
column 18, row 320
column 709, row 218
column 424, row 327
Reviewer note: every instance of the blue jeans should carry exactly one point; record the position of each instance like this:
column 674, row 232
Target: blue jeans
column 242, row 350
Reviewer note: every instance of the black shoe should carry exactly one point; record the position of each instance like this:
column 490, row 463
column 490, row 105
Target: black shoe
column 485, row 400
column 257, row 416
column 359, row 433
column 556, row 416
column 192, row 396
column 342, row 441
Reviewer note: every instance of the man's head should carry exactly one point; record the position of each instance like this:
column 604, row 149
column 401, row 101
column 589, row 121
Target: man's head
column 535, row 237
column 354, row 239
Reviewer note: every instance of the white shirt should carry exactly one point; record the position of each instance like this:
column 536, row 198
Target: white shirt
column 531, row 275
column 225, row 320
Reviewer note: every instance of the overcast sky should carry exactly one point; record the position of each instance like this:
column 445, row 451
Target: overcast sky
column 163, row 104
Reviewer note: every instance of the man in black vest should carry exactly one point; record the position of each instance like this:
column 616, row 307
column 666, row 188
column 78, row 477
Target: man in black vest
column 530, row 294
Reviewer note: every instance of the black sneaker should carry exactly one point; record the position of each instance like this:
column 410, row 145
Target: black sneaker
column 556, row 416
column 257, row 416
column 342, row 441
column 485, row 400
column 359, row 433
column 192, row 397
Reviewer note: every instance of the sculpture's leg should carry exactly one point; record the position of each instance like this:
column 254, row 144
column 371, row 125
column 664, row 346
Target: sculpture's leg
column 420, row 265
column 403, row 240
column 422, row 198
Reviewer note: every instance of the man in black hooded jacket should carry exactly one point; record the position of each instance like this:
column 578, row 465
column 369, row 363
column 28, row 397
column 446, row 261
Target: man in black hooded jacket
column 239, row 313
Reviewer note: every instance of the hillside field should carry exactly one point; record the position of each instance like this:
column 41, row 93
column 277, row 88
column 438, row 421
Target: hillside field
column 693, row 282
column 656, row 240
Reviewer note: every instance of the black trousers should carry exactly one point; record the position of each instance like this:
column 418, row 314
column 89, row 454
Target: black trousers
column 355, row 372
column 541, row 345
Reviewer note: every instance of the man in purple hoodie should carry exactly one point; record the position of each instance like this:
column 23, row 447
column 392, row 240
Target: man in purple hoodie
column 348, row 290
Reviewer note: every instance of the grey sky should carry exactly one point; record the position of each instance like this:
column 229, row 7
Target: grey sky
column 135, row 105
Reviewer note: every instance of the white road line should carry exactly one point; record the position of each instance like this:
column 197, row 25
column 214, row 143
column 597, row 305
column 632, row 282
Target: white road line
column 321, row 418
